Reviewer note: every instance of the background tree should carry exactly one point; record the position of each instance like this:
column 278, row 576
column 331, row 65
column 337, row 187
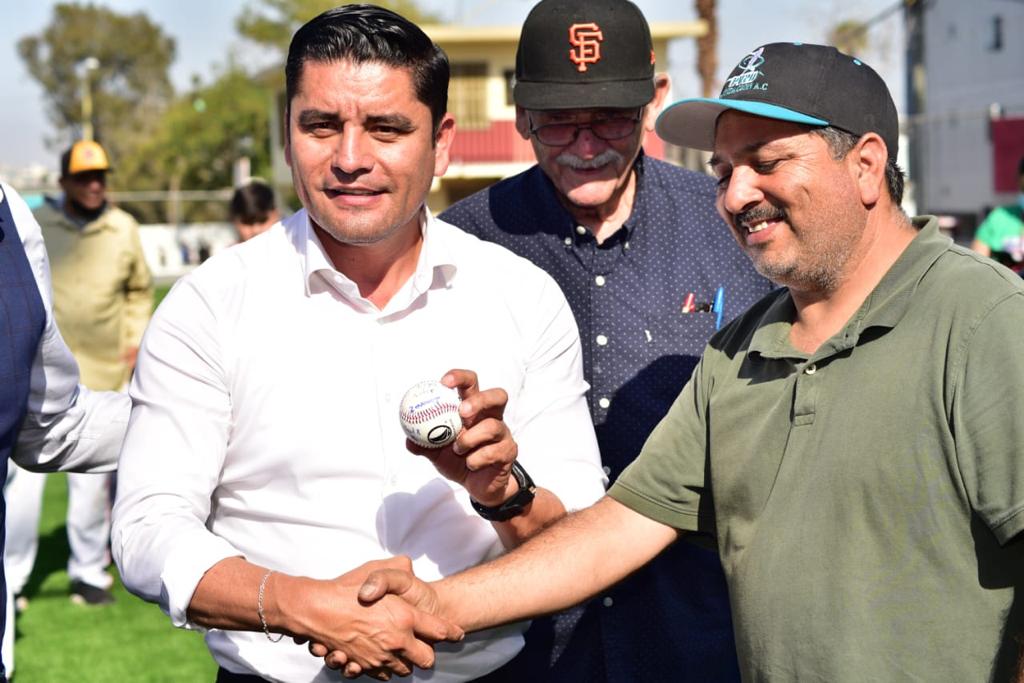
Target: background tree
column 198, row 140
column 130, row 87
column 707, row 47
column 272, row 22
column 849, row 36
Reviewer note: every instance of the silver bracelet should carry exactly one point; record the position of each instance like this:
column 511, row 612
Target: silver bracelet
column 259, row 609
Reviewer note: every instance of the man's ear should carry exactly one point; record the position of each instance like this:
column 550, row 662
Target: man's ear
column 288, row 134
column 868, row 159
column 662, row 83
column 522, row 123
column 443, row 144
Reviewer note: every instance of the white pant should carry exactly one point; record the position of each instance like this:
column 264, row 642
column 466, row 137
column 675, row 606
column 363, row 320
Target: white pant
column 88, row 523
column 23, row 492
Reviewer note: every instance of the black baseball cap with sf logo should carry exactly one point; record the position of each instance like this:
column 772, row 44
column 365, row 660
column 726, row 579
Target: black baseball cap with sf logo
column 816, row 85
column 584, row 54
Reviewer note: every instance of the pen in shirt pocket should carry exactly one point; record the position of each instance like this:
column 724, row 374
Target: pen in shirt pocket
column 716, row 306
column 691, row 305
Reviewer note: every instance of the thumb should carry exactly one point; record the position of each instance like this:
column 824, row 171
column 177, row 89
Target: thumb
column 383, row 581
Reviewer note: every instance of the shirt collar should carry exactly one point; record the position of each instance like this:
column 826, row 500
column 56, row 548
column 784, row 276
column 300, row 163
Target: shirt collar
column 884, row 307
column 435, row 267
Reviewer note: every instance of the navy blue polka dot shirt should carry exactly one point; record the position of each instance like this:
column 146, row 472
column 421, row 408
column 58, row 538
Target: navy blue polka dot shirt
column 639, row 349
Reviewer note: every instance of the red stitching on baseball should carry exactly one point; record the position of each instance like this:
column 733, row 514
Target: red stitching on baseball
column 437, row 410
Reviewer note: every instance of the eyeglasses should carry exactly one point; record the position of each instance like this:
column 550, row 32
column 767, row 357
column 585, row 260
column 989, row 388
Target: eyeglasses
column 562, row 134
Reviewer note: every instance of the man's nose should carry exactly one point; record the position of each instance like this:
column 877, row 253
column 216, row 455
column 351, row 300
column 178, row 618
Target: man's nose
column 741, row 190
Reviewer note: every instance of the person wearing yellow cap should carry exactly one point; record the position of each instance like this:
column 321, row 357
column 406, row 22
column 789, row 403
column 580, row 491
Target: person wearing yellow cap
column 103, row 296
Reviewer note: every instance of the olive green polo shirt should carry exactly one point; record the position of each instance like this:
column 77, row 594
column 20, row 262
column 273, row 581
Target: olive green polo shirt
column 863, row 497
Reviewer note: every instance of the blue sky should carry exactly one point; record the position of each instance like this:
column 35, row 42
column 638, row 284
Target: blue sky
column 205, row 35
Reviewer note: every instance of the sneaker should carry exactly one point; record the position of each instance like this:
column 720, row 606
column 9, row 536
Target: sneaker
column 85, row 594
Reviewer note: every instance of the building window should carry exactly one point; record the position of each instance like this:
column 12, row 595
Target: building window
column 997, row 34
column 467, row 95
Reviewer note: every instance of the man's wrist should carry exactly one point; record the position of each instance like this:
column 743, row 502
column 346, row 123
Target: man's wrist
column 515, row 504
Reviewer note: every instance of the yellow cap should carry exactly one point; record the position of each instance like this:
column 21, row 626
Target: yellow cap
column 84, row 155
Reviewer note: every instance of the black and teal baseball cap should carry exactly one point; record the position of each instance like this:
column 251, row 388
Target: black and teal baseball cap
column 816, row 85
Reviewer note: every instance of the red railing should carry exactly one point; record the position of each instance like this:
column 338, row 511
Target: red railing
column 501, row 143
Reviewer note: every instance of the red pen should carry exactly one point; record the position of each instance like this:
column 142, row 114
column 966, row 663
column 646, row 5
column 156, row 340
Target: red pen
column 688, row 304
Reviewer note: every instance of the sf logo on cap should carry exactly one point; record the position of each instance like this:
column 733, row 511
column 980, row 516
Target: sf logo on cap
column 586, row 41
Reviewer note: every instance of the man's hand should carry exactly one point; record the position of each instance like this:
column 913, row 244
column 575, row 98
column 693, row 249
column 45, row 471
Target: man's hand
column 387, row 580
column 480, row 459
column 130, row 355
column 380, row 638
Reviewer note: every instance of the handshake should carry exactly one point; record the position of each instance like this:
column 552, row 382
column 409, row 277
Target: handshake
column 376, row 620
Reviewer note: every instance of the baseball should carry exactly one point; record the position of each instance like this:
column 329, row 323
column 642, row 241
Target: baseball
column 429, row 414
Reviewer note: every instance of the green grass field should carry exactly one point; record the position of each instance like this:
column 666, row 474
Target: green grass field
column 159, row 292
column 129, row 641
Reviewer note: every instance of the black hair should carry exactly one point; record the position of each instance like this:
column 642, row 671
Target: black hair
column 252, row 203
column 367, row 33
column 840, row 142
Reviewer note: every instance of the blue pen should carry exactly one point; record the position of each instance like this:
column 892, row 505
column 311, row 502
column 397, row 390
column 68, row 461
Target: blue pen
column 718, row 306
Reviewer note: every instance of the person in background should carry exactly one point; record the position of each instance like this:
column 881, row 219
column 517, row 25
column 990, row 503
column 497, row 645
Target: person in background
column 252, row 209
column 102, row 299
column 1001, row 235
column 265, row 464
column 640, row 252
column 48, row 421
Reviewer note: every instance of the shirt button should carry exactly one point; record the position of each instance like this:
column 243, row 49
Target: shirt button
column 604, row 402
column 810, row 369
column 626, row 245
column 580, row 230
column 607, row 602
column 599, row 280
column 601, row 340
column 568, row 241
column 607, row 470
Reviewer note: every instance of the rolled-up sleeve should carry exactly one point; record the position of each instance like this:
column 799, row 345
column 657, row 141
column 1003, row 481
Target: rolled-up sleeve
column 172, row 457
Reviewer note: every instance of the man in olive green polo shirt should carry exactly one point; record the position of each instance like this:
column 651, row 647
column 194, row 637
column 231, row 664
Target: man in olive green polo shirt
column 103, row 296
column 852, row 442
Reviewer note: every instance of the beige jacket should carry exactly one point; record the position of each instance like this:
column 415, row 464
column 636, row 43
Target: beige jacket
column 102, row 290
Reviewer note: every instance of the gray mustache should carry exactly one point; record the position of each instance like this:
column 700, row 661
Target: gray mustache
column 758, row 214
column 572, row 161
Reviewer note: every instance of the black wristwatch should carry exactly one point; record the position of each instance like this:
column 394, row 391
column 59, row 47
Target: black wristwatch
column 515, row 505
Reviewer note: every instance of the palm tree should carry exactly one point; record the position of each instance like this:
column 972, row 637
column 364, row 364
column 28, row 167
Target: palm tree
column 707, row 46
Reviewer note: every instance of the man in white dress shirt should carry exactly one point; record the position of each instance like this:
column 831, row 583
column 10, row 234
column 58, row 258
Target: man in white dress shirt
column 48, row 421
column 265, row 463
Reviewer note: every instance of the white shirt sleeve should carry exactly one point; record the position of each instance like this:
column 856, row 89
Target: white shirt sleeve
column 556, row 439
column 67, row 427
column 159, row 537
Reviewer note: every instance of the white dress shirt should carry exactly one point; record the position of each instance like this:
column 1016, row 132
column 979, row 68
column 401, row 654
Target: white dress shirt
column 265, row 424
column 67, row 427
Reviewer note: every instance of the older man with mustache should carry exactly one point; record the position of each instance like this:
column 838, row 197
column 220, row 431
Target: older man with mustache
column 637, row 247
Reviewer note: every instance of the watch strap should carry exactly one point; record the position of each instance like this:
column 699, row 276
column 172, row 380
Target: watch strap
column 515, row 505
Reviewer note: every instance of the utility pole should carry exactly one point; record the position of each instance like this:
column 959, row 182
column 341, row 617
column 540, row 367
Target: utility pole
column 917, row 133
column 87, row 66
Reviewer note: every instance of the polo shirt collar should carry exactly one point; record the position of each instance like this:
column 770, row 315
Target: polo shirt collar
column 884, row 307
column 435, row 267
